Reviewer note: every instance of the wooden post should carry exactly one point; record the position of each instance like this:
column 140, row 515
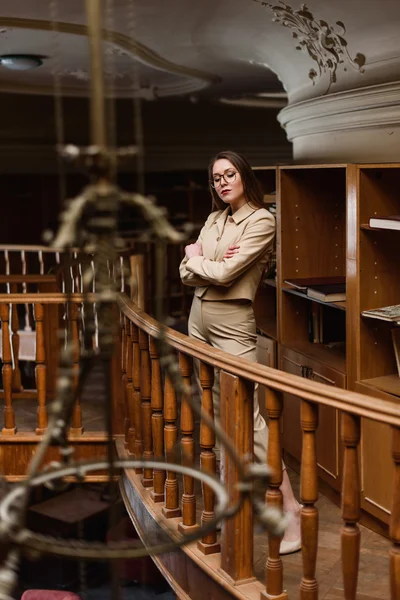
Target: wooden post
column 208, row 543
column 188, row 452
column 16, row 378
column 128, row 390
column 237, row 420
column 157, row 421
column 274, row 567
column 145, row 390
column 395, row 520
column 171, row 508
column 137, row 416
column 76, row 428
column 40, row 369
column 9, row 416
column 309, row 495
column 350, row 534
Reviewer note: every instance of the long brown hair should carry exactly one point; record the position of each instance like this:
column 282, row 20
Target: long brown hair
column 252, row 189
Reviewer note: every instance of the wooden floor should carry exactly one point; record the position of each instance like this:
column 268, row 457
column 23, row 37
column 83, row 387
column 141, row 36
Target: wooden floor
column 373, row 580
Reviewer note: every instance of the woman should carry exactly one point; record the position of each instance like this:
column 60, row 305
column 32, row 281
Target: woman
column 225, row 266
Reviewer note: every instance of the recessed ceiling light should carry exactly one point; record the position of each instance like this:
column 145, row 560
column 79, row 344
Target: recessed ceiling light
column 20, row 62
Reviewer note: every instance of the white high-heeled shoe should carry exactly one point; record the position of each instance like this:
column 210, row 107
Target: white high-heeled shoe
column 290, row 547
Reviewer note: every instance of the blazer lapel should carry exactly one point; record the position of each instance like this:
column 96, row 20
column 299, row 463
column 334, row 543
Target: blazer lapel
column 220, row 222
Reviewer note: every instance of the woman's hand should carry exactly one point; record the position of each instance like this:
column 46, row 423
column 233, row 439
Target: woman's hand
column 232, row 250
column 194, row 250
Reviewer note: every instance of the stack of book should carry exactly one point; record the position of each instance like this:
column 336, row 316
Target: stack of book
column 324, row 289
column 385, row 313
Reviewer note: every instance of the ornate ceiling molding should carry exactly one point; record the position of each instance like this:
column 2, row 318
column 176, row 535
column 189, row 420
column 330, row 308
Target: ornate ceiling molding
column 363, row 108
column 191, row 80
column 323, row 43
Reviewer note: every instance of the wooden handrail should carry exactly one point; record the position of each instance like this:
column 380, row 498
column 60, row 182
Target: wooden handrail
column 44, row 298
column 384, row 411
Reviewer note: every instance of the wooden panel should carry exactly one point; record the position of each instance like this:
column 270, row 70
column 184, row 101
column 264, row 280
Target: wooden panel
column 376, row 461
column 312, row 211
column 377, row 468
column 329, row 451
column 17, row 451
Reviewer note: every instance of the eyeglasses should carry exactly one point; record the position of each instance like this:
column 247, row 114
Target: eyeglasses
column 228, row 176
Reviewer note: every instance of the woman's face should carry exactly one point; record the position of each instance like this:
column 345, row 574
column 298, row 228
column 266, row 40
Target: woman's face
column 228, row 183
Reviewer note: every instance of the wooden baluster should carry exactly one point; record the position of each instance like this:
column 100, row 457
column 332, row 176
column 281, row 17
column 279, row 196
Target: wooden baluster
column 395, row 519
column 137, row 415
column 350, row 534
column 40, row 369
column 208, row 543
column 24, row 291
column 129, row 419
column 41, row 263
column 188, row 451
column 9, row 416
column 16, row 378
column 157, row 421
column 7, row 262
column 309, row 495
column 122, row 268
column 274, row 567
column 72, row 313
column 171, row 508
column 237, row 538
column 123, row 370
column 145, row 392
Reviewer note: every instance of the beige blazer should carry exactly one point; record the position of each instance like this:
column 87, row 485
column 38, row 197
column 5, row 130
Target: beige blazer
column 216, row 278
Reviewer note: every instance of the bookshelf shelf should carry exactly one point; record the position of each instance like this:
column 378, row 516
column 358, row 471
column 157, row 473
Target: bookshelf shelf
column 389, row 384
column 339, row 305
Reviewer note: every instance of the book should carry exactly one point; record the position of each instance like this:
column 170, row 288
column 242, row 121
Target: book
column 303, row 283
column 326, row 325
column 386, row 313
column 385, row 222
column 333, row 292
column 396, row 346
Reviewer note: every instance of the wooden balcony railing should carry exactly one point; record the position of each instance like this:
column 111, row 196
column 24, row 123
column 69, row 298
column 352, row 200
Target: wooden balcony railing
column 229, row 558
column 52, row 313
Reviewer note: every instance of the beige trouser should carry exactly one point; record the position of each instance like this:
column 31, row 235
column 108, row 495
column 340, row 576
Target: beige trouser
column 229, row 326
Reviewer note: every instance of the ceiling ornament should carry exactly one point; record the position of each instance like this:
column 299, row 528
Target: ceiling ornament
column 321, row 41
column 184, row 80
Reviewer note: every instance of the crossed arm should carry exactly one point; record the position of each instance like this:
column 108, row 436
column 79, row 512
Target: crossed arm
column 198, row 270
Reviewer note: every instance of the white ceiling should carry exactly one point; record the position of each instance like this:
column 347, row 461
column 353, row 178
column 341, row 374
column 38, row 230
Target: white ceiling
column 214, row 48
